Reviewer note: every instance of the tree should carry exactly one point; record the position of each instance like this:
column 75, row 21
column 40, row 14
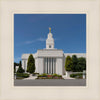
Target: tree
column 20, row 69
column 81, row 64
column 68, row 63
column 15, row 64
column 74, row 63
column 31, row 64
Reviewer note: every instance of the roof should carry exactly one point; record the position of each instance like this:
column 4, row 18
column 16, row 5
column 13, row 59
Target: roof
column 77, row 54
column 25, row 56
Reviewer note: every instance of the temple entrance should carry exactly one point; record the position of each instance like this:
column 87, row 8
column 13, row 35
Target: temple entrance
column 49, row 65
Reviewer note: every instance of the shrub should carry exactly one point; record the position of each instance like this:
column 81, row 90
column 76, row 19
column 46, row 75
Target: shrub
column 20, row 69
column 55, row 75
column 35, row 74
column 23, row 75
column 46, row 76
column 78, row 75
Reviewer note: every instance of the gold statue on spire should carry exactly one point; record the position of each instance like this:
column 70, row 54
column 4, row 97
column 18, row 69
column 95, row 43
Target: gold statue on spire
column 49, row 29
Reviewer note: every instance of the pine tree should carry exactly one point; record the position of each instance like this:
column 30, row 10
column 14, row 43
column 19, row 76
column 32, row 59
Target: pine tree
column 31, row 64
column 20, row 69
column 68, row 63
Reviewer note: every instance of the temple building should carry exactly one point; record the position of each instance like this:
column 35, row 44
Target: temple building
column 49, row 60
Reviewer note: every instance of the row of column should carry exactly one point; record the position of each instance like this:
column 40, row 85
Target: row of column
column 49, row 65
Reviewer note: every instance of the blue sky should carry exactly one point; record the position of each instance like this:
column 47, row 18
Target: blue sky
column 30, row 32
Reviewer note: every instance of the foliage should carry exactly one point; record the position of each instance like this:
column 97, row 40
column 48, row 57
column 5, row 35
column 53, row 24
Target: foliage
column 43, row 75
column 55, row 75
column 20, row 69
column 31, row 64
column 35, row 74
column 81, row 64
column 15, row 64
column 78, row 75
column 68, row 63
column 47, row 76
column 22, row 75
column 74, row 63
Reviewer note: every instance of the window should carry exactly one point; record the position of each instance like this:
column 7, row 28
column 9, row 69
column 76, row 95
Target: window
column 49, row 46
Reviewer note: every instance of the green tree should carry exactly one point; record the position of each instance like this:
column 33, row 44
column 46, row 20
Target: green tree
column 74, row 63
column 68, row 63
column 20, row 69
column 15, row 64
column 81, row 64
column 31, row 64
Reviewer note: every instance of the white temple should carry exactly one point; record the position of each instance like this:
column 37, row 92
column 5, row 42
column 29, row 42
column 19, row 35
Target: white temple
column 49, row 60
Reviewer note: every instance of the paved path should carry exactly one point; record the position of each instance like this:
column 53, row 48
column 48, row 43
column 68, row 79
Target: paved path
column 51, row 82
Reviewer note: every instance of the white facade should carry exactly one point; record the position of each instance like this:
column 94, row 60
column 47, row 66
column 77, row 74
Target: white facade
column 49, row 60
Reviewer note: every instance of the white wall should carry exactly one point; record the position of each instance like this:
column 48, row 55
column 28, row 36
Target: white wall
column 36, row 65
column 23, row 64
column 59, row 66
column 40, row 65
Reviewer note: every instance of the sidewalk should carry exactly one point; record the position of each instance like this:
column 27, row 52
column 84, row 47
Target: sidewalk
column 65, row 77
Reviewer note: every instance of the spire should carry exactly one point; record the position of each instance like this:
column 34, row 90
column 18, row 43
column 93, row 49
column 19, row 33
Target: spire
column 49, row 29
column 50, row 40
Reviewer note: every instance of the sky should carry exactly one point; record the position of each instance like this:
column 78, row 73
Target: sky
column 31, row 30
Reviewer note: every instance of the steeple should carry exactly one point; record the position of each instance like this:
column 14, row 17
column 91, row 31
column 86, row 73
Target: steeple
column 49, row 29
column 50, row 40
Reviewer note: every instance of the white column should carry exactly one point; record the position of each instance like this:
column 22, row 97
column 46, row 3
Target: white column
column 26, row 66
column 45, row 65
column 51, row 65
column 23, row 64
column 48, row 65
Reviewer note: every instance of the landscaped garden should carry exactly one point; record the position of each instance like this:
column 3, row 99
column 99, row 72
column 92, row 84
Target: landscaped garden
column 47, row 76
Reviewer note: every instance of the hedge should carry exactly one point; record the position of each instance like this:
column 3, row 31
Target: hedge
column 78, row 75
column 23, row 75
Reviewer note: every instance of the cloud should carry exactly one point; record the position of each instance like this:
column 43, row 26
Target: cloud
column 41, row 39
column 36, row 40
column 32, row 41
column 29, row 42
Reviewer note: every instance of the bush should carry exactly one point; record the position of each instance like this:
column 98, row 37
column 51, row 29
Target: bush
column 35, row 74
column 23, row 75
column 78, row 75
column 46, row 76
column 20, row 69
column 55, row 75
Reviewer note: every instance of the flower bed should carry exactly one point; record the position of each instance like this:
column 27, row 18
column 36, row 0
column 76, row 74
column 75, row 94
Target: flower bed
column 47, row 76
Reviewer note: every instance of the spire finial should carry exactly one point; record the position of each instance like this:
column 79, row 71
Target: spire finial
column 49, row 29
